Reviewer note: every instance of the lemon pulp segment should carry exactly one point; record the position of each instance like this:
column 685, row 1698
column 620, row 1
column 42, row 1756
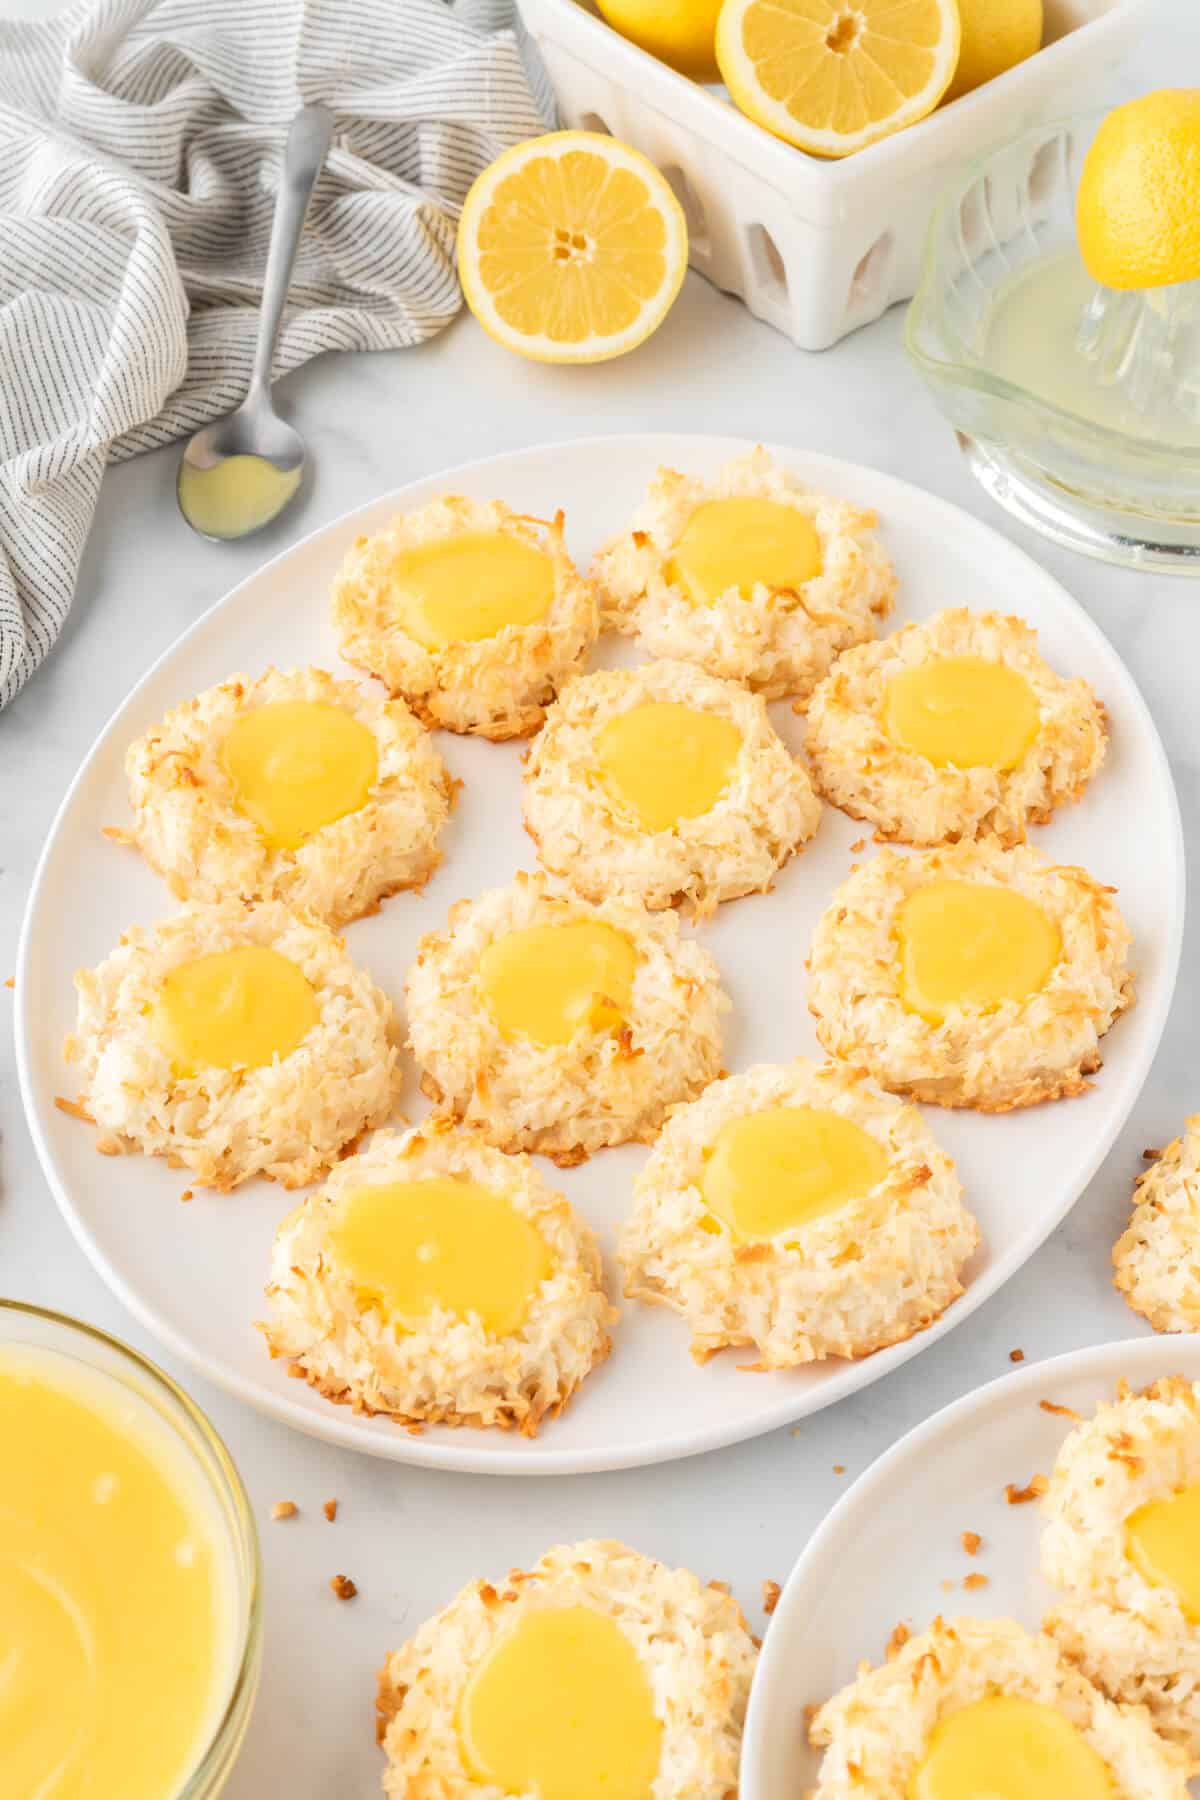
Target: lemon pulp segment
column 667, row 762
column 962, row 711
column 970, row 944
column 466, row 587
column 1006, row 1748
column 116, row 1622
column 772, row 1171
column 1162, row 1540
column 235, row 495
column 410, row 1246
column 562, row 1708
column 233, row 1009
column 547, row 982
column 741, row 542
column 296, row 765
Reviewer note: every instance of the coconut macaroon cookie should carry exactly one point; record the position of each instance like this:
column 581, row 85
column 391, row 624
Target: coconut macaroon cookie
column 798, row 1209
column 1157, row 1259
column 474, row 613
column 293, row 787
column 234, row 1040
column 558, row 1025
column 435, row 1279
column 953, row 728
column 598, row 1673
column 662, row 784
column 752, row 575
column 1121, row 1544
column 970, row 976
column 980, row 1707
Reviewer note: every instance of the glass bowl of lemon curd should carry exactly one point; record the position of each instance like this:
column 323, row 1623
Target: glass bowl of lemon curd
column 993, row 329
column 130, row 1628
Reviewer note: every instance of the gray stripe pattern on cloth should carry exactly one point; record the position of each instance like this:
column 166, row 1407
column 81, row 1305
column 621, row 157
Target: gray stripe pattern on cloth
column 140, row 143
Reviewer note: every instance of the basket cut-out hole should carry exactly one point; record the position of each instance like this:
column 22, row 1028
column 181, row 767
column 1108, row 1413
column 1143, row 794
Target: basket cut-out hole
column 693, row 210
column 593, row 122
column 770, row 270
column 1045, row 173
column 868, row 284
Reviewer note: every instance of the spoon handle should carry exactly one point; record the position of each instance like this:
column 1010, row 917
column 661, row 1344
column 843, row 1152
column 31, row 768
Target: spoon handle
column 307, row 145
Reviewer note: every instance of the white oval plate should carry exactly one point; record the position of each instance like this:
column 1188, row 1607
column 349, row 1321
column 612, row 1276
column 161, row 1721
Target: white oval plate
column 892, row 1541
column 194, row 1274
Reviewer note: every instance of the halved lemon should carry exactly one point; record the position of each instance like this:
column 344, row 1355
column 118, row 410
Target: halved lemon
column 832, row 76
column 571, row 248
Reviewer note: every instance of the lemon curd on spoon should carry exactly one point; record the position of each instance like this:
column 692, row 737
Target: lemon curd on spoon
column 117, row 1594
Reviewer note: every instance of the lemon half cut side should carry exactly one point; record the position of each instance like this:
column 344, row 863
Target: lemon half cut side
column 571, row 248
column 832, row 76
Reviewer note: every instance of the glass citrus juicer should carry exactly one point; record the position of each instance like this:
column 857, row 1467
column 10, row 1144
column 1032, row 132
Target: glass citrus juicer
column 1077, row 405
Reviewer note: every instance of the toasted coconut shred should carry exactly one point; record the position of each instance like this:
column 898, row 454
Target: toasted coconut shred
column 287, row 1120
column 190, row 829
column 1042, row 1048
column 848, row 1282
column 497, row 686
column 861, row 769
column 1131, row 1637
column 883, row 1721
column 692, row 1640
column 779, row 641
column 443, row 1369
column 1157, row 1259
column 565, row 1100
column 585, row 835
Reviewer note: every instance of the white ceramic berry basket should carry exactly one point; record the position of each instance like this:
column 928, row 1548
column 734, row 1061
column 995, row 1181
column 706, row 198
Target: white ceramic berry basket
column 815, row 248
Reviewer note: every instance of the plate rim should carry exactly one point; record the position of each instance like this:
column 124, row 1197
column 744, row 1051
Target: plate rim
column 955, row 1415
column 545, row 1460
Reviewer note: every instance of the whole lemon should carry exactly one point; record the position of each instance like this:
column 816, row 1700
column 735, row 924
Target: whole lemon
column 995, row 35
column 678, row 32
column 1137, row 210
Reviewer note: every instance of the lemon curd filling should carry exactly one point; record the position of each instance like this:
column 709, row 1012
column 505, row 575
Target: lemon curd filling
column 549, row 981
column 972, row 945
column 460, row 589
column 1162, row 1541
column 962, row 711
column 562, row 1708
column 234, row 1009
column 116, row 1594
column 772, row 1171
column 296, row 765
column 740, row 542
column 667, row 762
column 411, row 1246
column 1004, row 1748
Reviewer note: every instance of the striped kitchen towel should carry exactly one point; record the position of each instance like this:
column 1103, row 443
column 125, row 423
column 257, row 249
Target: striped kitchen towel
column 139, row 148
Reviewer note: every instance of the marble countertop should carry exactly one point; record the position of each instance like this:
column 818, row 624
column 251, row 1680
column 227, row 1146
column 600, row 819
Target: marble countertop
column 409, row 1538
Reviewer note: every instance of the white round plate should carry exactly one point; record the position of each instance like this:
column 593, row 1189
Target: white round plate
column 891, row 1544
column 194, row 1274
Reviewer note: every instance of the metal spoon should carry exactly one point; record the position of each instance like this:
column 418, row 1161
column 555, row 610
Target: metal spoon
column 224, row 500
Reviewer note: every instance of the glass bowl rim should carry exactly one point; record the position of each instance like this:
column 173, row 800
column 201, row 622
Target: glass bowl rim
column 212, row 1764
column 925, row 314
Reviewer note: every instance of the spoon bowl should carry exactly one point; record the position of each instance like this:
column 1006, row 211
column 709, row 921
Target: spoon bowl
column 238, row 474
